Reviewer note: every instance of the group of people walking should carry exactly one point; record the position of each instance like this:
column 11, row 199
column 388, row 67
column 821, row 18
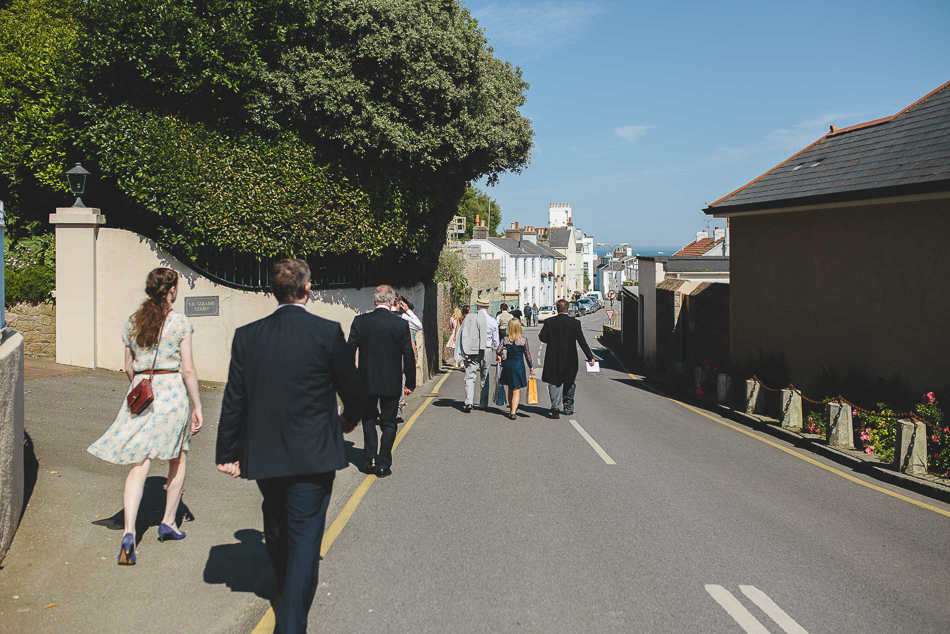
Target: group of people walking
column 280, row 423
column 478, row 337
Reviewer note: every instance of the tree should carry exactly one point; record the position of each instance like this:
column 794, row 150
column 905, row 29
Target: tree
column 304, row 127
column 476, row 204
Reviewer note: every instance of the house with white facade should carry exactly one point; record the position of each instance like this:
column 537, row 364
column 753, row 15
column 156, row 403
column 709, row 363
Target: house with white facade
column 527, row 268
column 588, row 261
column 559, row 215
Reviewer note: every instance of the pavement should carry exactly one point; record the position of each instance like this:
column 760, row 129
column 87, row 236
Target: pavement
column 60, row 574
column 638, row 513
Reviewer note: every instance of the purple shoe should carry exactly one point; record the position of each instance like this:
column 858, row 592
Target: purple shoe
column 167, row 532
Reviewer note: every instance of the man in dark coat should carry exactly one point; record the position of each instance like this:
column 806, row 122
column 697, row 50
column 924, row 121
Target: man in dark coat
column 561, row 334
column 386, row 354
column 280, row 426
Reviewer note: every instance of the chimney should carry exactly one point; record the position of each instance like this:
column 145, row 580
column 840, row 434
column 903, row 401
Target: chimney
column 530, row 236
column 479, row 232
column 514, row 234
column 516, row 224
column 701, row 235
column 719, row 233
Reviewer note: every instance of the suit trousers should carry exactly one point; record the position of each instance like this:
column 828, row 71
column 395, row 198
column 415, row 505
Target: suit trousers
column 476, row 367
column 295, row 514
column 387, row 409
column 562, row 397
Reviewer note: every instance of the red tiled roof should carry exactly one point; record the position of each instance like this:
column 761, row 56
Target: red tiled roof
column 699, row 247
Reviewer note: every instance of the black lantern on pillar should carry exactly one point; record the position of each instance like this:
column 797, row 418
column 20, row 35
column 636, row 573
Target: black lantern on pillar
column 76, row 177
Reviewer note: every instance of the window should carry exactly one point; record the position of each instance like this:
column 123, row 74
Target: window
column 503, row 261
column 533, row 265
column 524, row 263
column 516, row 268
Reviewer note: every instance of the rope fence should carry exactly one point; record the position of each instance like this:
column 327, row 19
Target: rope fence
column 841, row 399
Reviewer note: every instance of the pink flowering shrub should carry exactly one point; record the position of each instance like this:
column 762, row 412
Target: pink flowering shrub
column 878, row 435
column 816, row 423
column 938, row 442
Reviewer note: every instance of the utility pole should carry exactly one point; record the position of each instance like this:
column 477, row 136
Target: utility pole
column 489, row 215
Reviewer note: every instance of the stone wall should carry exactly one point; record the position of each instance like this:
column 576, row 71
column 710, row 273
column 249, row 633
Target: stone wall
column 37, row 324
column 484, row 276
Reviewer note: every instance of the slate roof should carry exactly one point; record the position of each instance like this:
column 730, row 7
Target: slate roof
column 547, row 252
column 511, row 247
column 560, row 237
column 699, row 247
column 906, row 153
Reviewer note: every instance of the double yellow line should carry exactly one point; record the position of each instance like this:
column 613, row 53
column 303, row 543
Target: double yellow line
column 268, row 621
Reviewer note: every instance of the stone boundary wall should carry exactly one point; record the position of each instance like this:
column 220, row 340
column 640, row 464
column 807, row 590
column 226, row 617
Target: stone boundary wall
column 37, row 324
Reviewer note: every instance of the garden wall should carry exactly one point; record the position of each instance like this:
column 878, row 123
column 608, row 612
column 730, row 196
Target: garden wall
column 37, row 324
column 123, row 260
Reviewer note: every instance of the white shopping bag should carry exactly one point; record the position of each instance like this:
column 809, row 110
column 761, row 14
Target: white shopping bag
column 592, row 368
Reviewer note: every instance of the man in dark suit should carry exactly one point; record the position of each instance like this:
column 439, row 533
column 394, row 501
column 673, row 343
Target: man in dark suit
column 280, row 426
column 561, row 334
column 386, row 354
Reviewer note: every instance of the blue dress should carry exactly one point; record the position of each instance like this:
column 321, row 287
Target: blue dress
column 162, row 431
column 513, row 358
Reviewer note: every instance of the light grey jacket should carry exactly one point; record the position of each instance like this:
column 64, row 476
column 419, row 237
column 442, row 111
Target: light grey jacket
column 473, row 336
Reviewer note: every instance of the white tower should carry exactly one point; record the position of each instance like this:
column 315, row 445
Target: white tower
column 559, row 215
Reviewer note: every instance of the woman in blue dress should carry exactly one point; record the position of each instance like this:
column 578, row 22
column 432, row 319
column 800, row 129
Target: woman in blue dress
column 513, row 353
column 155, row 335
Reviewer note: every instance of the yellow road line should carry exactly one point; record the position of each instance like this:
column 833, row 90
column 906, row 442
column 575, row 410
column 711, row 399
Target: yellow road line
column 792, row 452
column 268, row 621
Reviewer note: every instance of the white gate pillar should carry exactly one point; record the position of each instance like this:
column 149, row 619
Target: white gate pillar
column 76, row 231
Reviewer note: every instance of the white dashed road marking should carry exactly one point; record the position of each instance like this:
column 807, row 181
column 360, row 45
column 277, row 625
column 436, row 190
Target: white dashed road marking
column 593, row 443
column 775, row 613
column 744, row 618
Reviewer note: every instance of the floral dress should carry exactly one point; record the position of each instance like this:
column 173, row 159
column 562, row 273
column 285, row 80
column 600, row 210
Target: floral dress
column 162, row 430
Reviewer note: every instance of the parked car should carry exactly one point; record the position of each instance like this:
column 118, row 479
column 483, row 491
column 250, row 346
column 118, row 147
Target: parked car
column 588, row 304
column 546, row 311
column 575, row 309
column 597, row 296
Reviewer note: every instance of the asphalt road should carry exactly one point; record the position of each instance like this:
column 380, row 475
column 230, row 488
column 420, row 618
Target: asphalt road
column 492, row 525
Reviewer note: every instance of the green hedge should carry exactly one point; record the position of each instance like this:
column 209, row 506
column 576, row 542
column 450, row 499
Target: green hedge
column 32, row 284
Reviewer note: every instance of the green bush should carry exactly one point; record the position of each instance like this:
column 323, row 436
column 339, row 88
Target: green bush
column 304, row 127
column 29, row 268
column 31, row 284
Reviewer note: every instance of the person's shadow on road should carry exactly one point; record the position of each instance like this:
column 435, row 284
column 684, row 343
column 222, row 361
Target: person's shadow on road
column 243, row 566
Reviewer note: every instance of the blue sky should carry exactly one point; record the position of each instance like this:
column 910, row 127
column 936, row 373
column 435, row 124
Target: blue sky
column 643, row 113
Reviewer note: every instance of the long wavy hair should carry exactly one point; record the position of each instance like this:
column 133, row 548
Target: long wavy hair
column 151, row 314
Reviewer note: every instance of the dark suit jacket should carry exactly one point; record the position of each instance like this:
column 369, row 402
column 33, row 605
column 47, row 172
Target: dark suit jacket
column 385, row 348
column 279, row 414
column 561, row 333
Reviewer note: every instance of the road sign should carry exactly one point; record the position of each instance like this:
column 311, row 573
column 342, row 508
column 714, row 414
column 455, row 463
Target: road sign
column 610, row 314
column 612, row 295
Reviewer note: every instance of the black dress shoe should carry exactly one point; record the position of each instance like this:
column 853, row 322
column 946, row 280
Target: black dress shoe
column 467, row 409
column 370, row 466
column 383, row 472
column 555, row 414
column 512, row 416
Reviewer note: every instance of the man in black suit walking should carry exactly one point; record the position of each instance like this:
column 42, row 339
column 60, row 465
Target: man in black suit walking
column 561, row 333
column 386, row 354
column 280, row 426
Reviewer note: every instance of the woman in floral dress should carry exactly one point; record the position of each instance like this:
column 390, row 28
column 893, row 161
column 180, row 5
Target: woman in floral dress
column 155, row 334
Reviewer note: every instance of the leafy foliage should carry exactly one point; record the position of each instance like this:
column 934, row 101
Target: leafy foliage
column 451, row 269
column 476, row 204
column 261, row 126
column 29, row 269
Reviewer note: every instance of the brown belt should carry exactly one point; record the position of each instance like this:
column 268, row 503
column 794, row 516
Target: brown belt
column 157, row 372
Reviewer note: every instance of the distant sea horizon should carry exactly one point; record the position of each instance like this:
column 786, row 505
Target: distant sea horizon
column 650, row 249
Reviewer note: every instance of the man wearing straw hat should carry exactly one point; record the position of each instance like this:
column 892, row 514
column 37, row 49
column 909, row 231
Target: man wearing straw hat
column 479, row 333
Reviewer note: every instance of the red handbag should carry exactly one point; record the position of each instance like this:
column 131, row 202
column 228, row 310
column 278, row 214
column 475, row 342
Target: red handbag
column 141, row 395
